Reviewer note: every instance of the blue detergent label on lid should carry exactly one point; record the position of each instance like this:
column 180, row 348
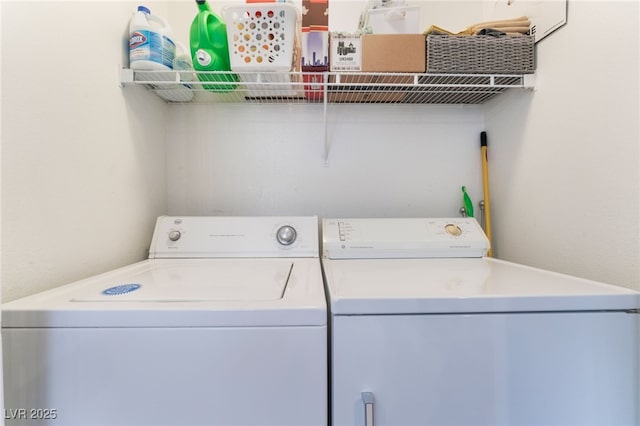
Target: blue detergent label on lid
column 121, row 289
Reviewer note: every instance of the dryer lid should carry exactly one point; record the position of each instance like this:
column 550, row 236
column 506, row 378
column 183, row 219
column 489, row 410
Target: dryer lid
column 437, row 286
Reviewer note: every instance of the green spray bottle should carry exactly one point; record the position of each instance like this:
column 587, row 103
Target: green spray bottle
column 209, row 49
column 468, row 205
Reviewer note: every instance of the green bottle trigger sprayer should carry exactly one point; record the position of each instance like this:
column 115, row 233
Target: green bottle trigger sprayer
column 210, row 50
column 468, row 205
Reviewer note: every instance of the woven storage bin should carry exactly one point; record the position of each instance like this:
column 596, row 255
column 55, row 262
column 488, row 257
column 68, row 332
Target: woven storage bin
column 480, row 54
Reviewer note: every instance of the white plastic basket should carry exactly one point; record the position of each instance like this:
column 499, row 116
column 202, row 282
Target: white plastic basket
column 261, row 36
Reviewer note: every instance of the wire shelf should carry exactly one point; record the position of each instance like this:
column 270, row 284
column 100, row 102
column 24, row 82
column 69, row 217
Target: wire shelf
column 324, row 87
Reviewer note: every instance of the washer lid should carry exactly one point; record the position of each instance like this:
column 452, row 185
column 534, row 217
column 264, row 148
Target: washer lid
column 193, row 281
column 423, row 286
column 182, row 293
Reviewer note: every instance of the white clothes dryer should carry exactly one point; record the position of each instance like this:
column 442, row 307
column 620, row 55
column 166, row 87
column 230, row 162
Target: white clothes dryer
column 426, row 331
column 224, row 324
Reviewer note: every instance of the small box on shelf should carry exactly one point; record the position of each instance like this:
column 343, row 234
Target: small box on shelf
column 345, row 52
column 393, row 53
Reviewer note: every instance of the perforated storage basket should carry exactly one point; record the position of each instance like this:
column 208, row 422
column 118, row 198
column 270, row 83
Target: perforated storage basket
column 262, row 38
column 480, row 54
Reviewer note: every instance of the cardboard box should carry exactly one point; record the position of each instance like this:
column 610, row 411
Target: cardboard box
column 315, row 47
column 315, row 12
column 393, row 53
column 365, row 97
column 345, row 52
column 313, row 78
column 368, row 80
column 315, row 35
column 368, row 88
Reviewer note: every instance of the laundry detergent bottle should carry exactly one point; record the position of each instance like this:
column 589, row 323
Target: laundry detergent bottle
column 151, row 46
column 209, row 49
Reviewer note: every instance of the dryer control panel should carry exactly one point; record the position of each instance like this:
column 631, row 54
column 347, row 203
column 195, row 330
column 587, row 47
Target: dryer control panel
column 387, row 238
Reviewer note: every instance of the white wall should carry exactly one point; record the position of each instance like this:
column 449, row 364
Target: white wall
column 383, row 160
column 1, row 369
column 83, row 161
column 564, row 160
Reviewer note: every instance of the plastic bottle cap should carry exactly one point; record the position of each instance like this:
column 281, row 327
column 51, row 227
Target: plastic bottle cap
column 144, row 9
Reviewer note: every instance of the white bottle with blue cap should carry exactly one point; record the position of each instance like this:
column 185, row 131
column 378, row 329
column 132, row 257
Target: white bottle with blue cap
column 151, row 45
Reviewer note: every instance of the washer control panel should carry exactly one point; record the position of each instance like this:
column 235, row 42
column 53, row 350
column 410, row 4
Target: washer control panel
column 218, row 236
column 286, row 235
column 403, row 238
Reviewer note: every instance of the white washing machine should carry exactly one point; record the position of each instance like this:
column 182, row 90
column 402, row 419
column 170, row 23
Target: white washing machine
column 426, row 331
column 224, row 324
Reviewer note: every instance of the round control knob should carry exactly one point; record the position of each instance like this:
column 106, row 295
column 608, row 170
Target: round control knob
column 174, row 235
column 452, row 229
column 286, row 235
